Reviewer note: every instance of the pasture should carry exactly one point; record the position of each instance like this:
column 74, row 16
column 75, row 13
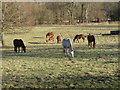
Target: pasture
column 45, row 66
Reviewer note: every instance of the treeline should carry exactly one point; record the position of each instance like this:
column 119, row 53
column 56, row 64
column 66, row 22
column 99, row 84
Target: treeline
column 29, row 13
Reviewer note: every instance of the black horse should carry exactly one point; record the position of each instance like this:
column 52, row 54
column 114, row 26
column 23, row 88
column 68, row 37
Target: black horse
column 17, row 44
column 91, row 40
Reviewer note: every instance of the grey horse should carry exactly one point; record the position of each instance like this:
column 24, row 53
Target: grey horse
column 67, row 47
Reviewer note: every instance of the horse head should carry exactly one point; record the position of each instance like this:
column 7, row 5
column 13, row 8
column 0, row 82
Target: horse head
column 24, row 48
column 72, row 53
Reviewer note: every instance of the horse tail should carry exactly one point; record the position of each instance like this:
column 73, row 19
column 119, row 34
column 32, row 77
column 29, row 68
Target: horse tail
column 83, row 38
column 74, row 39
column 46, row 38
column 46, row 35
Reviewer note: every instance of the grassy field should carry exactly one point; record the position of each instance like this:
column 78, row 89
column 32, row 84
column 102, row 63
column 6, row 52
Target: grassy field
column 45, row 66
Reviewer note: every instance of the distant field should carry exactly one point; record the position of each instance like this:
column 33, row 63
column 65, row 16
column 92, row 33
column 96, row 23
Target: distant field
column 45, row 66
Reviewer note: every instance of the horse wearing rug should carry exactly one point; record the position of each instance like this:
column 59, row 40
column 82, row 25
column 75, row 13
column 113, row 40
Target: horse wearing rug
column 77, row 37
column 91, row 41
column 67, row 47
column 17, row 44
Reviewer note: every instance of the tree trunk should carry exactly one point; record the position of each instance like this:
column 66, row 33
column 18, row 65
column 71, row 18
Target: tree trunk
column 86, row 15
column 81, row 17
column 1, row 36
column 2, row 40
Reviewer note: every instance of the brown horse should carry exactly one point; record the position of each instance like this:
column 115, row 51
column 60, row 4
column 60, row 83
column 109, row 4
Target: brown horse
column 91, row 41
column 49, row 36
column 77, row 37
column 59, row 39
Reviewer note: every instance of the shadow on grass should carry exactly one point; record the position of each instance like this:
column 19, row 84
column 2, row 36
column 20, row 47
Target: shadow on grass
column 37, row 37
column 82, row 52
column 36, row 43
column 90, row 56
column 87, row 81
column 52, row 54
column 42, row 43
column 106, row 46
column 42, row 53
column 65, row 80
column 111, row 62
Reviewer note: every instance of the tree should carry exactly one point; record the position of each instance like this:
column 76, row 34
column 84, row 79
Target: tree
column 112, row 10
column 1, row 36
column 16, row 15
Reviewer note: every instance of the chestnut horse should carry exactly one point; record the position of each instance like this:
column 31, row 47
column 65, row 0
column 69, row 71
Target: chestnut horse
column 59, row 39
column 49, row 36
column 91, row 41
column 77, row 37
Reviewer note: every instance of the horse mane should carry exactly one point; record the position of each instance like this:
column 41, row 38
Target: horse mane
column 75, row 38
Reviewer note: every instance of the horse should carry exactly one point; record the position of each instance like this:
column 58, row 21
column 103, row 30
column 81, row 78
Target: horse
column 50, row 39
column 91, row 41
column 59, row 39
column 17, row 44
column 67, row 47
column 79, row 36
column 49, row 36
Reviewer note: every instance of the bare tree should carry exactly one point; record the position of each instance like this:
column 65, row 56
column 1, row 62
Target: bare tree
column 1, row 35
column 15, row 14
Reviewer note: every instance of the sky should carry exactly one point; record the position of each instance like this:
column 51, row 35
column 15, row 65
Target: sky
column 60, row 0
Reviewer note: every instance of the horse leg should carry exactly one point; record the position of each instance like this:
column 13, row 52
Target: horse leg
column 47, row 39
column 59, row 41
column 18, row 49
column 53, row 40
column 73, row 40
column 22, row 50
column 91, row 44
column 15, row 49
column 67, row 52
column 77, row 41
column 88, row 44
column 83, row 39
column 64, row 50
column 94, row 44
